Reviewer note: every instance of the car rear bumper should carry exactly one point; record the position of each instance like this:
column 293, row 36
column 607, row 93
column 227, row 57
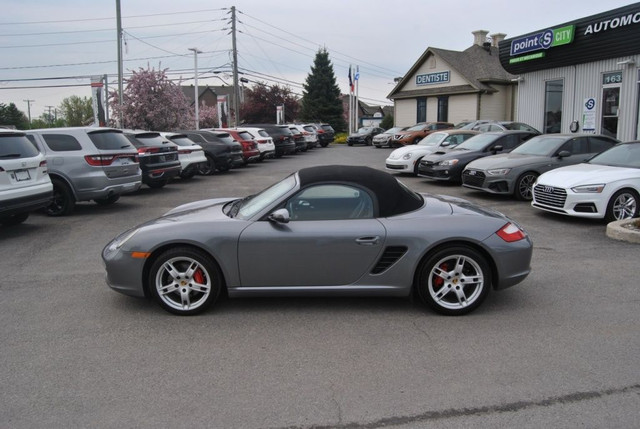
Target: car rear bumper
column 27, row 203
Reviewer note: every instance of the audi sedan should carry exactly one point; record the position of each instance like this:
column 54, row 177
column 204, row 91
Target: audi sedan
column 327, row 230
column 605, row 187
column 514, row 173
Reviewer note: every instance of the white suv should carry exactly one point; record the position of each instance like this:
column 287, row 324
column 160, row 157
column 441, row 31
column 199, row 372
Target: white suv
column 25, row 185
column 265, row 142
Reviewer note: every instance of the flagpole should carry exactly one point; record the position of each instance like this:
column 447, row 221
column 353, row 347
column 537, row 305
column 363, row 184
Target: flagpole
column 349, row 128
column 357, row 105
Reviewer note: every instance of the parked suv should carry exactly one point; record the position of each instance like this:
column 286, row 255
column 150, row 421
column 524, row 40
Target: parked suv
column 250, row 151
column 419, row 131
column 326, row 134
column 190, row 154
column 25, row 185
column 221, row 150
column 158, row 157
column 281, row 135
column 87, row 163
column 265, row 142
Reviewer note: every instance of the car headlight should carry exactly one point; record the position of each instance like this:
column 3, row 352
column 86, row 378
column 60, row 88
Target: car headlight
column 588, row 189
column 498, row 171
column 448, row 162
column 120, row 241
column 407, row 156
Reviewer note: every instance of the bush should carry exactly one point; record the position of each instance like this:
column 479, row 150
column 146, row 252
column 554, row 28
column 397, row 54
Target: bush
column 340, row 138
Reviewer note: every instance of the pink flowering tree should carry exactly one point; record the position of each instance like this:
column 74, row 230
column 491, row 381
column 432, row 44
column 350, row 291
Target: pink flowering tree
column 208, row 116
column 151, row 101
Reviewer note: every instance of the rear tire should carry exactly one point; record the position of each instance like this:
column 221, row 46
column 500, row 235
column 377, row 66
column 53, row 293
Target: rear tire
column 63, row 199
column 454, row 281
column 15, row 219
column 157, row 184
column 108, row 200
column 207, row 168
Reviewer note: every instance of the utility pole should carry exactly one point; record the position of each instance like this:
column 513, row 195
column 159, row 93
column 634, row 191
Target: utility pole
column 50, row 117
column 119, row 38
column 236, row 108
column 29, row 110
column 195, row 96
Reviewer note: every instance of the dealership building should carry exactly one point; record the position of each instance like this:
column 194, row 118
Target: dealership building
column 580, row 76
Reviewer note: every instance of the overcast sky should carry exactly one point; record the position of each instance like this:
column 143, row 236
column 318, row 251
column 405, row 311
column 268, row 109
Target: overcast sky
column 67, row 41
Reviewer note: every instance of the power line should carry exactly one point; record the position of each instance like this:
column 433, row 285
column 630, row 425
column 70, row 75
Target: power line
column 110, row 18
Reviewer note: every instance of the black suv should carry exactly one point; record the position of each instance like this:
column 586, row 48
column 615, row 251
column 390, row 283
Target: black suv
column 326, row 134
column 221, row 150
column 282, row 137
column 158, row 157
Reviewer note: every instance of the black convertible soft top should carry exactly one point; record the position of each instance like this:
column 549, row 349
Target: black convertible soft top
column 393, row 197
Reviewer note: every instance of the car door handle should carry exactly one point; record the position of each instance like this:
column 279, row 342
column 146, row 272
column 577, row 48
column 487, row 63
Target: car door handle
column 368, row 241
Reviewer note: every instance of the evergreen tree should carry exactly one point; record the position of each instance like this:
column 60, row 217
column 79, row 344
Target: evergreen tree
column 11, row 115
column 321, row 95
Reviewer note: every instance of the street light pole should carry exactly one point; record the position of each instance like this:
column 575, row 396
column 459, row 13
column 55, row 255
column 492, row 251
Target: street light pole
column 195, row 61
column 29, row 110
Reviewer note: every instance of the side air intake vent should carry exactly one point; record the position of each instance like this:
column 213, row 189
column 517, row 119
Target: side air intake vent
column 389, row 257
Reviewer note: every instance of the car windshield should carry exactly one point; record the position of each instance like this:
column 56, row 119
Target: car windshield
column 539, row 145
column 518, row 126
column 478, row 142
column 364, row 130
column 182, row 141
column 16, row 146
column 394, row 130
column 248, row 207
column 623, row 155
column 418, row 127
column 109, row 140
column 432, row 139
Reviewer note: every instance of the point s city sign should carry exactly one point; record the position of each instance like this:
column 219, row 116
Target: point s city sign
column 543, row 40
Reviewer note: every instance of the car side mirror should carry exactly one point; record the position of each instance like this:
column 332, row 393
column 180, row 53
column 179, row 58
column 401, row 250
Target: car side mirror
column 564, row 154
column 496, row 148
column 445, row 144
column 280, row 216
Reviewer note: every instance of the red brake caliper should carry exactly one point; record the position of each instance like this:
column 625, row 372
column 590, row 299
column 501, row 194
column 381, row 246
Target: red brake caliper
column 439, row 281
column 198, row 276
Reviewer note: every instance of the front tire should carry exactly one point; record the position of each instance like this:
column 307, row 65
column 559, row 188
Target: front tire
column 454, row 281
column 184, row 281
column 624, row 204
column 524, row 186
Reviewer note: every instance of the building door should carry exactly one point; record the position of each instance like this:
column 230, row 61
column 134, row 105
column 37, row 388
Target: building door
column 611, row 103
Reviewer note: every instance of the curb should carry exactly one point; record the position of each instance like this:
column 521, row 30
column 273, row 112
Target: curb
column 617, row 231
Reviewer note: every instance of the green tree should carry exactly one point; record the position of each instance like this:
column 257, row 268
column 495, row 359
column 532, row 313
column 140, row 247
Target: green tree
column 387, row 122
column 76, row 111
column 11, row 115
column 321, row 95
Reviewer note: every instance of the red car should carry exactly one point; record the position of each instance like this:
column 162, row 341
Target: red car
column 250, row 151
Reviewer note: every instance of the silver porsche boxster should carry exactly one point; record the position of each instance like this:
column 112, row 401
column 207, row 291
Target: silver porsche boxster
column 327, row 230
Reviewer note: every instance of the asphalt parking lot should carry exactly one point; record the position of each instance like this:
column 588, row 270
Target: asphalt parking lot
column 562, row 349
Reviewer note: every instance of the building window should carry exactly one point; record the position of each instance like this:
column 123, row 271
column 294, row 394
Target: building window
column 553, row 106
column 638, row 119
column 422, row 110
column 443, row 108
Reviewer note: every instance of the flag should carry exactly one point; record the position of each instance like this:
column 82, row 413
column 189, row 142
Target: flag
column 350, row 81
column 357, row 75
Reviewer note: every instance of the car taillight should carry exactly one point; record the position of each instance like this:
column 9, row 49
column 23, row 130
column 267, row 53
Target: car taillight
column 261, row 141
column 99, row 160
column 511, row 233
column 185, row 151
column 148, row 150
column 320, row 131
column 43, row 163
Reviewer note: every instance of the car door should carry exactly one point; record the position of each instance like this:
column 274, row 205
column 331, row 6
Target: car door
column 332, row 239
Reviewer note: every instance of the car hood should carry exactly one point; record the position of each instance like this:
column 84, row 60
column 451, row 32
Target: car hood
column 446, row 153
column 416, row 149
column 205, row 209
column 585, row 174
column 507, row 160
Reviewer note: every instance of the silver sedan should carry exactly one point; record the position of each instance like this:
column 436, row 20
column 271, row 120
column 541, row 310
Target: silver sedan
column 328, row 230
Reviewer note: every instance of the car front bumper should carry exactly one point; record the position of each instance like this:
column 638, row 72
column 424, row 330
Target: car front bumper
column 567, row 202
